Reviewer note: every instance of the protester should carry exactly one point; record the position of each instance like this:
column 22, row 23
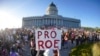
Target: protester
column 13, row 52
column 26, row 49
column 66, row 40
column 33, row 50
column 22, row 41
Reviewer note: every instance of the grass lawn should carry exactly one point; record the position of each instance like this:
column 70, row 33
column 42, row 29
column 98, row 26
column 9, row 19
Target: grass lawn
column 85, row 50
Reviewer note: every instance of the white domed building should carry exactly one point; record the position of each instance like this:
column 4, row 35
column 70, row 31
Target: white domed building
column 50, row 19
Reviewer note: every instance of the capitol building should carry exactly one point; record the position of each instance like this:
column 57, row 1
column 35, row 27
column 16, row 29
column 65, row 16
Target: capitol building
column 50, row 19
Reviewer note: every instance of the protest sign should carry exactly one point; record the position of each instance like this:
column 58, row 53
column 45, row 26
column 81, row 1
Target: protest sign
column 48, row 39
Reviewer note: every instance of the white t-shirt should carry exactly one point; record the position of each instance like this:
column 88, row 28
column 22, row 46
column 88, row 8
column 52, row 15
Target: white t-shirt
column 26, row 38
column 48, row 52
column 18, row 41
column 15, row 53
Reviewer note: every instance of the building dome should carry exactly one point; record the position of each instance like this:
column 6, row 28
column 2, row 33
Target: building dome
column 52, row 4
column 52, row 9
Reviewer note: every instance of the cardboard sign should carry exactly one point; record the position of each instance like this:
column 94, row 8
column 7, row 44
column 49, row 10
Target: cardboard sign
column 48, row 39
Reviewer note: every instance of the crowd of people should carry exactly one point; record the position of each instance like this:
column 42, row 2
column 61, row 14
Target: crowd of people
column 21, row 42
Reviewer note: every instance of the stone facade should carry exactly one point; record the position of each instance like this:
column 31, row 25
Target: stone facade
column 51, row 18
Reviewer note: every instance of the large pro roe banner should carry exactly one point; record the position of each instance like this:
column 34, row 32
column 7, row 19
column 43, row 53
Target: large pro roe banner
column 48, row 39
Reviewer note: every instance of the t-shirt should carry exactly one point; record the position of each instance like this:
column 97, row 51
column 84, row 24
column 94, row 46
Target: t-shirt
column 13, row 54
column 48, row 52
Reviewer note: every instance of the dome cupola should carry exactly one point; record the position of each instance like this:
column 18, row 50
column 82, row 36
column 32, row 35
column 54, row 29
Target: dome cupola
column 52, row 9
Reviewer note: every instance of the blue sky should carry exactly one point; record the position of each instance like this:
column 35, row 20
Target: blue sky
column 88, row 11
